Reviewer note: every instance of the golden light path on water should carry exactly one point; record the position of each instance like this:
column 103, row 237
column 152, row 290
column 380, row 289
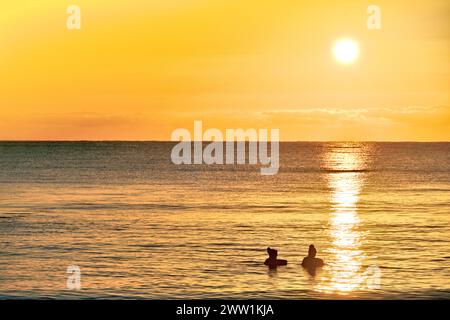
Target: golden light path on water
column 344, row 268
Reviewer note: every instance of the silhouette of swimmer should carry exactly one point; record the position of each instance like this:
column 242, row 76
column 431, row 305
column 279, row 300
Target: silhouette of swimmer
column 311, row 263
column 272, row 261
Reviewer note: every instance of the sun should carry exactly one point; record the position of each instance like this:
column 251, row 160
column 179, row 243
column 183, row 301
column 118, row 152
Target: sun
column 345, row 51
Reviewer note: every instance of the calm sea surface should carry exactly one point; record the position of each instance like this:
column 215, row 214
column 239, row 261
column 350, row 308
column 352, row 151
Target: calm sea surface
column 140, row 227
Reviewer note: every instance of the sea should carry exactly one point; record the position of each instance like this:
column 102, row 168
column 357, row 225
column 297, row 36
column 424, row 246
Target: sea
column 119, row 220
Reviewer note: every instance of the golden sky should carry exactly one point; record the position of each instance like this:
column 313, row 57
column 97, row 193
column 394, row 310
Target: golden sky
column 138, row 69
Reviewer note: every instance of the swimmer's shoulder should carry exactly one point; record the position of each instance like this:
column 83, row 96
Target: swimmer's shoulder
column 305, row 261
column 319, row 262
column 282, row 262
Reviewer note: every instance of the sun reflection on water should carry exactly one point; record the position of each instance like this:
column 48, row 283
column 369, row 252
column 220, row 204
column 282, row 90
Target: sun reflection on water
column 345, row 166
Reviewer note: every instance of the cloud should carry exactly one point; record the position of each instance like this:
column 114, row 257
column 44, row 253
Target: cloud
column 388, row 123
column 357, row 114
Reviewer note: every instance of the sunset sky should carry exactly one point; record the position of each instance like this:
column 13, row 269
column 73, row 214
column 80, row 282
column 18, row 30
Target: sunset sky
column 138, row 69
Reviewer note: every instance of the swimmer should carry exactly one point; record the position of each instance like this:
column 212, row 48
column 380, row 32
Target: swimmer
column 272, row 261
column 311, row 262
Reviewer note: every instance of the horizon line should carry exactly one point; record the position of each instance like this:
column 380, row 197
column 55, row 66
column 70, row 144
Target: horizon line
column 283, row 141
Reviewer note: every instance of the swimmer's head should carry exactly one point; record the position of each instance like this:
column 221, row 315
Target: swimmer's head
column 312, row 251
column 272, row 252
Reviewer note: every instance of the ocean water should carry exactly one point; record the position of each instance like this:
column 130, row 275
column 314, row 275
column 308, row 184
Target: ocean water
column 139, row 226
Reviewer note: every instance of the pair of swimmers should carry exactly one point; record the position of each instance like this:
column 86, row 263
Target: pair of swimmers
column 310, row 262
